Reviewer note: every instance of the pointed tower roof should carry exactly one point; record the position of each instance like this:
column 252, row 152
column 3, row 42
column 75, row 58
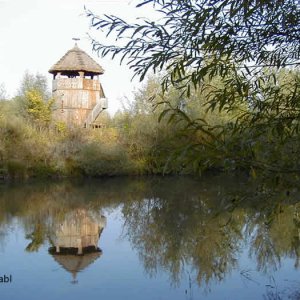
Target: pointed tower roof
column 76, row 60
column 75, row 263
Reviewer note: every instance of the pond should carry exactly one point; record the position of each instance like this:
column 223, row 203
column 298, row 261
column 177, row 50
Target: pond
column 216, row 237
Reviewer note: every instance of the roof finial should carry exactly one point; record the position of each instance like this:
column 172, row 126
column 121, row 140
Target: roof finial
column 76, row 40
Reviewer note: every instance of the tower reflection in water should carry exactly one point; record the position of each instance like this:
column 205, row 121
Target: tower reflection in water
column 75, row 240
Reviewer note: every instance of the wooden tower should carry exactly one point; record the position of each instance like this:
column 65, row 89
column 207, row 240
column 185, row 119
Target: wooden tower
column 78, row 231
column 77, row 91
column 75, row 240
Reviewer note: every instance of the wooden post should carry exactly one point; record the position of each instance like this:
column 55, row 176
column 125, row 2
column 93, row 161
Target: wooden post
column 79, row 245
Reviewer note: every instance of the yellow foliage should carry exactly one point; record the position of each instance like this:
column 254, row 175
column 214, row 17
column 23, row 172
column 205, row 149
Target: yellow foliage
column 38, row 108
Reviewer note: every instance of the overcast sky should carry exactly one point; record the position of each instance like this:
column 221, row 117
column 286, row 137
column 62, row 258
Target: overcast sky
column 35, row 34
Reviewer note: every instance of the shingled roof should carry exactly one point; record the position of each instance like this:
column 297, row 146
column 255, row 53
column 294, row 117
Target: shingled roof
column 76, row 60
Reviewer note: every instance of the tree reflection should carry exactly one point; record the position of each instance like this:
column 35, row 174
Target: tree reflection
column 177, row 225
column 37, row 237
column 170, row 234
column 207, row 229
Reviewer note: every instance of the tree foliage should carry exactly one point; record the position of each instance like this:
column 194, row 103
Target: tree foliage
column 34, row 82
column 31, row 86
column 207, row 37
column 252, row 46
column 37, row 108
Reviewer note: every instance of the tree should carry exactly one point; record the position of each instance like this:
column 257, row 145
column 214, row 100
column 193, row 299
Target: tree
column 196, row 38
column 3, row 94
column 30, row 83
column 38, row 110
column 37, row 82
column 248, row 44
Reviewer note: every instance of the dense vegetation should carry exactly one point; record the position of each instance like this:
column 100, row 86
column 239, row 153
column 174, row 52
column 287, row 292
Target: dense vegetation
column 242, row 58
column 140, row 139
column 132, row 142
column 226, row 97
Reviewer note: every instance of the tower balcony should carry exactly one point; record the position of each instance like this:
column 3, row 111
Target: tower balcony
column 76, row 83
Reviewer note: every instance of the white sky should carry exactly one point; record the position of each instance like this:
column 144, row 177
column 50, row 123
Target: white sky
column 35, row 34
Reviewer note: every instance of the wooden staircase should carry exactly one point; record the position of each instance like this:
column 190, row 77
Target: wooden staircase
column 99, row 107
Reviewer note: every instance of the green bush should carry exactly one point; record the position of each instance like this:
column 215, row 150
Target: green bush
column 97, row 159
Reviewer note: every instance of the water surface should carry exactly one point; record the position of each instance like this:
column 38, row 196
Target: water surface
column 218, row 237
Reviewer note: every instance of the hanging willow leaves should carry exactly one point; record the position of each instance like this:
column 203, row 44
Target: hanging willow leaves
column 252, row 46
column 263, row 32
